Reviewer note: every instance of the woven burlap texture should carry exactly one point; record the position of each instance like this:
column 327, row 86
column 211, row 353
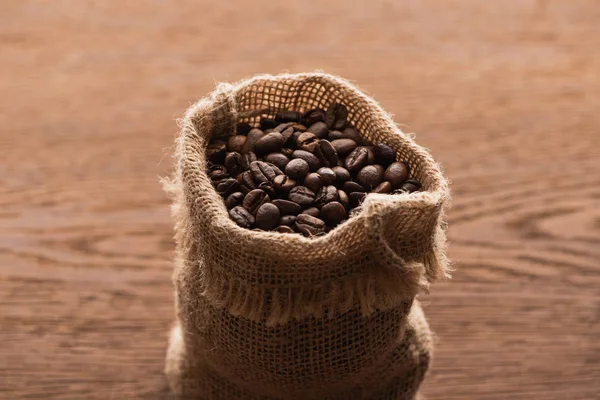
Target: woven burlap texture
column 262, row 315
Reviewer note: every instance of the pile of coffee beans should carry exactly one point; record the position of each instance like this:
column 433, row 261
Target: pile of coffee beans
column 301, row 172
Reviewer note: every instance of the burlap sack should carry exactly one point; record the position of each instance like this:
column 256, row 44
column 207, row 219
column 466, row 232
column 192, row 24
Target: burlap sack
column 262, row 315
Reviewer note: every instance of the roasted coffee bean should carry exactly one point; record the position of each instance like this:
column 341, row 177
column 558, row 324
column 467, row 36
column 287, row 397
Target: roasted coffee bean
column 286, row 151
column 313, row 116
column 297, row 169
column 312, row 211
column 309, row 225
column 351, row 186
column 227, row 187
column 243, row 128
column 267, row 216
column 414, row 182
column 396, row 174
column 343, row 147
column 247, row 159
column 268, row 187
column 370, row 155
column 383, row 187
column 310, row 158
column 335, row 135
column 336, row 115
column 370, row 176
column 241, row 217
column 288, row 116
column 283, row 229
column 246, row 180
column 319, row 129
column 351, row 133
column 264, row 171
column 299, row 127
column 328, row 176
column 235, row 143
column 283, row 183
column 307, row 141
column 356, row 199
column 233, row 163
column 268, row 123
column 343, row 198
column 283, row 127
column 253, row 136
column 357, row 159
column 341, row 174
column 384, row 154
column 234, row 199
column 287, row 207
column 269, row 143
column 279, row 160
column 287, row 220
column 215, row 151
column 326, row 194
column 409, row 186
column 326, row 153
column 302, row 195
column 217, row 172
column 287, row 135
column 255, row 199
column 333, row 213
column 313, row 181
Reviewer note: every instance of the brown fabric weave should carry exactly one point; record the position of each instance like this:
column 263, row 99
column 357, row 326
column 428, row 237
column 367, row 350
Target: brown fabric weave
column 262, row 315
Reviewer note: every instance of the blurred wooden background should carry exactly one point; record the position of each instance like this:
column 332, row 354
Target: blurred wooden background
column 505, row 94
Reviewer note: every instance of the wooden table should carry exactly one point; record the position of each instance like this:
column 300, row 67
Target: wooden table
column 505, row 94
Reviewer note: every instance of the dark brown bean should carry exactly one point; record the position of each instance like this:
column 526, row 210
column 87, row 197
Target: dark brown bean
column 384, row 154
column 245, row 180
column 310, row 158
column 307, row 141
column 343, row 147
column 328, row 176
column 297, row 169
column 283, row 229
column 235, row 143
column 247, row 159
column 288, row 134
column 280, row 160
column 269, row 143
column 268, row 187
column 341, row 174
column 215, row 151
column 288, row 116
column 268, row 123
column 302, row 195
column 336, row 115
column 343, row 198
column 319, row 129
column 283, row 183
column 313, row 181
column 309, row 225
column 312, row 211
column 356, row 199
column 357, row 159
column 283, row 127
column 255, row 199
column 326, row 153
column 241, row 217
column 313, row 116
column 410, row 186
column 335, row 135
column 370, row 155
column 217, row 172
column 333, row 213
column 287, row 220
column 396, row 174
column 243, row 128
column 299, row 127
column 351, row 133
column 370, row 176
column 264, row 171
column 327, row 194
column 234, row 199
column 351, row 186
column 227, row 186
column 383, row 187
column 233, row 163
column 267, row 216
column 287, row 152
column 287, row 207
column 253, row 136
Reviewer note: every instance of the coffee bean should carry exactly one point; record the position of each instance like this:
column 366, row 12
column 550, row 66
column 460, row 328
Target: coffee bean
column 356, row 199
column 310, row 158
column 319, row 129
column 343, row 198
column 241, row 217
column 286, row 151
column 370, row 155
column 267, row 216
column 268, row 123
column 227, row 187
column 309, row 225
column 313, row 116
column 299, row 127
column 307, row 141
column 287, row 207
column 234, row 199
column 235, row 143
column 243, row 128
column 343, row 147
column 384, row 154
column 326, row 153
column 215, row 151
column 396, row 174
column 336, row 116
column 217, row 172
column 335, row 135
column 313, row 181
column 312, row 211
column 283, row 229
column 328, row 176
column 268, row 188
column 383, row 187
column 283, row 127
column 410, row 186
column 254, row 200
column 287, row 135
column 414, row 182
column 302, row 195
column 288, row 116
column 233, row 163
column 269, row 143
column 297, row 169
column 247, row 159
column 333, row 213
column 357, row 159
column 253, row 136
column 277, row 159
column 283, row 183
column 341, row 174
column 351, row 133
column 264, row 171
column 287, row 220
column 326, row 195
column 370, row 176
column 246, row 180
column 351, row 186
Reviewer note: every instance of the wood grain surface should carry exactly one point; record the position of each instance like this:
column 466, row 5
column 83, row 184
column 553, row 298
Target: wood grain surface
column 506, row 94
